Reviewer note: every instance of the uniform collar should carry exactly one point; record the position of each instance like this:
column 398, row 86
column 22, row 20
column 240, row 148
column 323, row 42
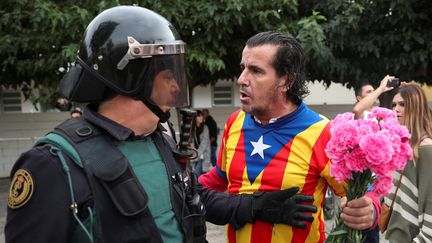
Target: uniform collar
column 116, row 130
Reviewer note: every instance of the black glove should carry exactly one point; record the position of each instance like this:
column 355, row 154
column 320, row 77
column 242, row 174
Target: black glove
column 283, row 207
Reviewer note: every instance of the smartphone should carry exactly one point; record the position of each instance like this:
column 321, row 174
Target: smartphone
column 393, row 83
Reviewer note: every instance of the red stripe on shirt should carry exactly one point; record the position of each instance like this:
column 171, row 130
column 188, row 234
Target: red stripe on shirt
column 225, row 137
column 317, row 163
column 261, row 232
column 237, row 167
column 274, row 173
column 231, row 235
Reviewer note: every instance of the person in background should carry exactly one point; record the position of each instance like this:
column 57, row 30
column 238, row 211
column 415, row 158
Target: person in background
column 367, row 96
column 411, row 218
column 63, row 104
column 201, row 142
column 213, row 131
column 76, row 112
column 275, row 141
column 362, row 90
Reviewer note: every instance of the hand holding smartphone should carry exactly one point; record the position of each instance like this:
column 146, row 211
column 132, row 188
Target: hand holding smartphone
column 393, row 83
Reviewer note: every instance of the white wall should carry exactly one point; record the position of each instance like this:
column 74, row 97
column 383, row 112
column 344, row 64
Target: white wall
column 18, row 131
column 201, row 97
column 28, row 107
column 336, row 94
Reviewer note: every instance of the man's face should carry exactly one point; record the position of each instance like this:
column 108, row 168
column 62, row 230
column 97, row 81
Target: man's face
column 367, row 89
column 165, row 90
column 261, row 90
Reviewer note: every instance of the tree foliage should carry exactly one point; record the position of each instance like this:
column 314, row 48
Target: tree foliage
column 369, row 39
column 346, row 41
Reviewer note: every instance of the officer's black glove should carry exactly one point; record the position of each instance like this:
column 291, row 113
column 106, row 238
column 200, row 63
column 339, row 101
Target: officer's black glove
column 283, row 207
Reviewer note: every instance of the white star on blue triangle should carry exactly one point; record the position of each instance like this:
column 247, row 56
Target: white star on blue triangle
column 259, row 147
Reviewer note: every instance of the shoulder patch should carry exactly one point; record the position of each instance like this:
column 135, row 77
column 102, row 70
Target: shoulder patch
column 21, row 189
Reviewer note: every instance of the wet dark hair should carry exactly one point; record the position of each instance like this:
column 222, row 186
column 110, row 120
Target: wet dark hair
column 358, row 89
column 289, row 60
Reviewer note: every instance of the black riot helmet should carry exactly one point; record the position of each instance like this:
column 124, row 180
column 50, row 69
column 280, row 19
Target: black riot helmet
column 131, row 51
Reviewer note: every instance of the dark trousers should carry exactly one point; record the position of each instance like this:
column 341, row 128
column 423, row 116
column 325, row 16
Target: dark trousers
column 372, row 236
column 198, row 167
column 213, row 157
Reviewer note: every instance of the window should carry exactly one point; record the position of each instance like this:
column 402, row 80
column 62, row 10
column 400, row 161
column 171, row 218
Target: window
column 10, row 101
column 222, row 94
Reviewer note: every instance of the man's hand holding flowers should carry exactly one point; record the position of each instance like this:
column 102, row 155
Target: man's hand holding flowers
column 361, row 213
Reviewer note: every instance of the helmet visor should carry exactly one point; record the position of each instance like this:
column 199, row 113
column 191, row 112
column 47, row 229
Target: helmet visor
column 169, row 84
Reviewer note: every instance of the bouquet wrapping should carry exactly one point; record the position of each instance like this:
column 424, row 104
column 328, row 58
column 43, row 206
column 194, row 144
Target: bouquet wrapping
column 364, row 153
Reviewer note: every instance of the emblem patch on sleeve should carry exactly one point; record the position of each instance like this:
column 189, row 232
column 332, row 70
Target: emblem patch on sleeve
column 21, row 189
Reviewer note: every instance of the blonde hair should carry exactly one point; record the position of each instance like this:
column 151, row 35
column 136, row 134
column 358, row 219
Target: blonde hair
column 417, row 115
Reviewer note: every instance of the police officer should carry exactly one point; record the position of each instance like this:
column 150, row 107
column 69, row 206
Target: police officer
column 110, row 175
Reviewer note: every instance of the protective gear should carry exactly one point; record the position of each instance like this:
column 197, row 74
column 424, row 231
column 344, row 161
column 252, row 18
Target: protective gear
column 283, row 207
column 121, row 201
column 130, row 51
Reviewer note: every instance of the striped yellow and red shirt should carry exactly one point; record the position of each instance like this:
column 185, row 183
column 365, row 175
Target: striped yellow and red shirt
column 286, row 153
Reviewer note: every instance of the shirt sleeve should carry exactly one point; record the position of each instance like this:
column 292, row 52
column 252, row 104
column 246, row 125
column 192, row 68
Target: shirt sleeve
column 212, row 180
column 45, row 215
column 223, row 208
column 424, row 167
column 377, row 206
column 216, row 178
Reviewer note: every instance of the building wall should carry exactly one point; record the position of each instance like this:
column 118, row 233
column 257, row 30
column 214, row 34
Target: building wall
column 19, row 131
column 336, row 94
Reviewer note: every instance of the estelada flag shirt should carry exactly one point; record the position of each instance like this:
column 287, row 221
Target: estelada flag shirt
column 289, row 152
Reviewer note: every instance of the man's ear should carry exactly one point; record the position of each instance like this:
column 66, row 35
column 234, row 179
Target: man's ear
column 284, row 86
column 284, row 83
column 359, row 98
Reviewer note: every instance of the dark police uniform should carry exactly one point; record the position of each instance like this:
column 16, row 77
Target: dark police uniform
column 39, row 204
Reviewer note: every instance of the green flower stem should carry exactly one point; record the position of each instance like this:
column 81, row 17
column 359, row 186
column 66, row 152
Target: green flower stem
column 357, row 187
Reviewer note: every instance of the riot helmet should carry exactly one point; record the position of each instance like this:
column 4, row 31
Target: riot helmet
column 131, row 51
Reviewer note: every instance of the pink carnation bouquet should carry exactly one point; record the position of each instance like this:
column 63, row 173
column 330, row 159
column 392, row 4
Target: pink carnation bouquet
column 364, row 153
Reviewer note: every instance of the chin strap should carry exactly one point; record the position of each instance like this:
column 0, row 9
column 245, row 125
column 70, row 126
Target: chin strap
column 163, row 116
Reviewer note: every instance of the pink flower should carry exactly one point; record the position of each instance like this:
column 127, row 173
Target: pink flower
column 356, row 160
column 379, row 144
column 382, row 185
column 367, row 126
column 381, row 170
column 377, row 147
column 405, row 153
column 343, row 118
column 340, row 173
column 380, row 113
column 360, row 148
